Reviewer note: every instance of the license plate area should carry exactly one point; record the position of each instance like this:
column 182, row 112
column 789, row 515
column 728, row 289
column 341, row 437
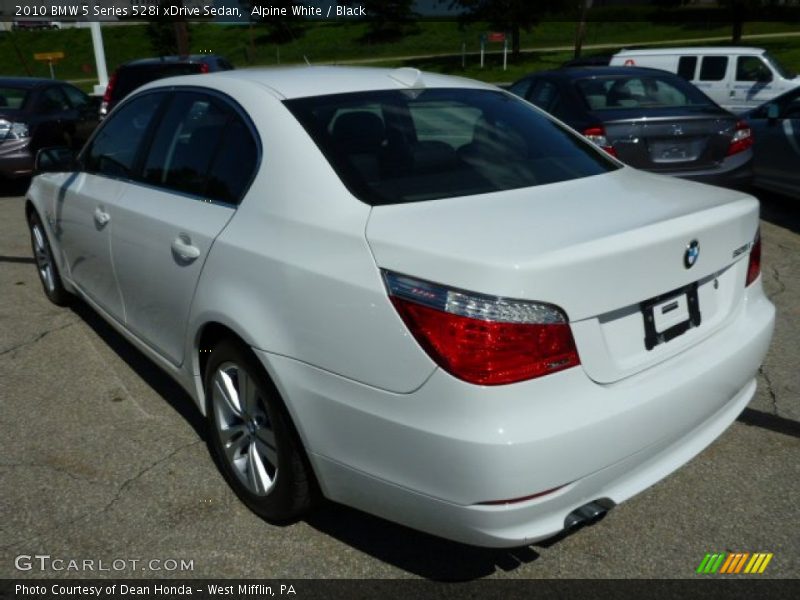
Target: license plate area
column 670, row 315
column 676, row 151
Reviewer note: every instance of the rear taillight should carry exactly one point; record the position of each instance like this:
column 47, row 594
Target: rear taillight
column 754, row 264
column 742, row 138
column 598, row 136
column 110, row 88
column 482, row 339
column 204, row 68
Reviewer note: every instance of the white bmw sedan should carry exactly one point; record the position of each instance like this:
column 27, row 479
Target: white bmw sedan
column 414, row 294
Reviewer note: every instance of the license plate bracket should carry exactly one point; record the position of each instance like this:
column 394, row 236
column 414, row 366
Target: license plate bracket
column 670, row 315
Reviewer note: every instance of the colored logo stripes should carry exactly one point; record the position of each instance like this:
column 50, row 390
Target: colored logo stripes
column 735, row 562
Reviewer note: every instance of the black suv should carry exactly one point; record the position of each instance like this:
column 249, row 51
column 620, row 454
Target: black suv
column 136, row 73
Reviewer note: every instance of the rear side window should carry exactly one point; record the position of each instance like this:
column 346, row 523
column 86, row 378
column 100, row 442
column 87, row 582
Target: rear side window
column 686, row 67
column 392, row 147
column 713, row 68
column 234, row 165
column 76, row 97
column 203, row 148
column 114, row 148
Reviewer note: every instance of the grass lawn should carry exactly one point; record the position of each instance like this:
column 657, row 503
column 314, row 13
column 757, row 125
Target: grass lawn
column 332, row 42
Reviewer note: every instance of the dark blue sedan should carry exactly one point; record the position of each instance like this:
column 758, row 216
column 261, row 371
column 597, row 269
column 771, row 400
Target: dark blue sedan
column 649, row 119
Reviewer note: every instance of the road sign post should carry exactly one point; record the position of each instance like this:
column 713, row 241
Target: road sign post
column 50, row 58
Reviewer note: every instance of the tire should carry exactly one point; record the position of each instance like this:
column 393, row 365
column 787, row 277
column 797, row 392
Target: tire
column 253, row 442
column 45, row 265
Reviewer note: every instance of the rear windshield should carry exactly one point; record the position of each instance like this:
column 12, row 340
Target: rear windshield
column 12, row 98
column 640, row 92
column 392, row 147
column 131, row 78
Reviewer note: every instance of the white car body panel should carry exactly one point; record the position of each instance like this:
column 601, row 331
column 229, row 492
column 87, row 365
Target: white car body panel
column 84, row 242
column 295, row 272
column 157, row 283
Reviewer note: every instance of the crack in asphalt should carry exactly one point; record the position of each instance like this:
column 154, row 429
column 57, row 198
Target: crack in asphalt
column 776, row 275
column 770, row 389
column 150, row 467
column 38, row 338
column 125, row 484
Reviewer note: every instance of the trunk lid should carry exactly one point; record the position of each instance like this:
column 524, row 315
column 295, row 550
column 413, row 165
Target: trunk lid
column 597, row 247
column 669, row 142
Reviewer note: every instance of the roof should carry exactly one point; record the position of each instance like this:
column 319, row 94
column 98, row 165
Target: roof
column 584, row 72
column 25, row 82
column 160, row 60
column 303, row 81
column 695, row 50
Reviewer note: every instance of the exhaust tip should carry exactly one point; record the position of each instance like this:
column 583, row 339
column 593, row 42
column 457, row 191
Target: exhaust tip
column 589, row 513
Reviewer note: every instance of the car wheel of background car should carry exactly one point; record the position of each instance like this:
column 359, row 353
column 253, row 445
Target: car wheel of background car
column 251, row 436
column 45, row 265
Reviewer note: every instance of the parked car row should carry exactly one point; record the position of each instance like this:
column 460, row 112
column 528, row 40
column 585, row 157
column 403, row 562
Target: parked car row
column 414, row 294
column 37, row 113
column 649, row 118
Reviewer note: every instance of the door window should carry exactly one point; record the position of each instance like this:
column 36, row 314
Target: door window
column 713, row 68
column 114, row 149
column 53, row 100
column 752, row 68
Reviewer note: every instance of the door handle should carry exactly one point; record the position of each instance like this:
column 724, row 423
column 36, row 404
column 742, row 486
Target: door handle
column 101, row 216
column 183, row 248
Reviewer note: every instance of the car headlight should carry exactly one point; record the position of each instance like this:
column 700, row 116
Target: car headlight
column 13, row 131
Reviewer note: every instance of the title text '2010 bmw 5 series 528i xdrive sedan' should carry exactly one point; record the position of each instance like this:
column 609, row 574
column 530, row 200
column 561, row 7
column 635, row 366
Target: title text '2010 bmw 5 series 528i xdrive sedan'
column 414, row 294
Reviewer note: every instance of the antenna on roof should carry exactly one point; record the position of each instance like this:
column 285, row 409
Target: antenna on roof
column 305, row 58
column 408, row 77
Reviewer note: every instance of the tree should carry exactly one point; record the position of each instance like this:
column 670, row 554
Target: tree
column 167, row 36
column 508, row 15
column 388, row 19
column 740, row 11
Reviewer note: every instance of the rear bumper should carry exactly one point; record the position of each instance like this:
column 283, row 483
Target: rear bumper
column 16, row 159
column 428, row 459
column 735, row 172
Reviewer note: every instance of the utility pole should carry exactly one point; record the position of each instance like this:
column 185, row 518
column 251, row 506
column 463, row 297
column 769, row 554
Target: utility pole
column 181, row 34
column 99, row 58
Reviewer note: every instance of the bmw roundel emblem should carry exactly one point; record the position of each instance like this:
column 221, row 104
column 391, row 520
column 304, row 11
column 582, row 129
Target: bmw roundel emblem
column 691, row 254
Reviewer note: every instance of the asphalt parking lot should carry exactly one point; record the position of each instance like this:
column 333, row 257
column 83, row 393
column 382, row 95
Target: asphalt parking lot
column 103, row 459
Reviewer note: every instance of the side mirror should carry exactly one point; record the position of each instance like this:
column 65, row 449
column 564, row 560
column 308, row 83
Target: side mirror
column 58, row 159
column 773, row 111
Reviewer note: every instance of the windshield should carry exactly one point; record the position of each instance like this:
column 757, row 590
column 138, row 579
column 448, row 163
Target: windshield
column 12, row 98
column 640, row 92
column 407, row 146
column 779, row 68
